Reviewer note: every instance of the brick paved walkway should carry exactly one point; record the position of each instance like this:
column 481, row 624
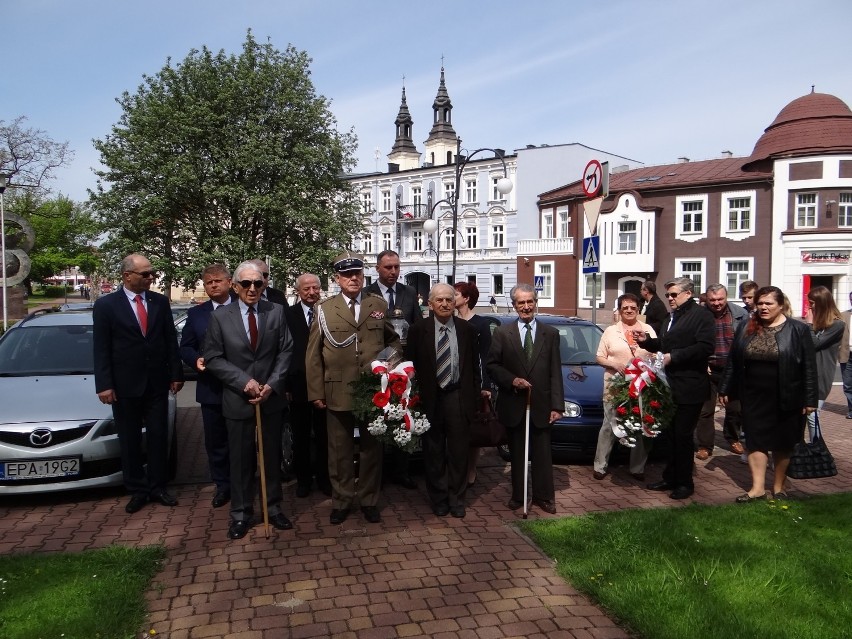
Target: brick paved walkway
column 412, row 575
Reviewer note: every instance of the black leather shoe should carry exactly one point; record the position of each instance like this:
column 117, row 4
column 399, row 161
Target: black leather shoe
column 457, row 511
column 441, row 510
column 136, row 503
column 659, row 485
column 405, row 481
column 546, row 505
column 280, row 521
column 164, row 498
column 339, row 515
column 303, row 490
column 220, row 498
column 681, row 492
column 514, row 504
column 371, row 514
column 238, row 529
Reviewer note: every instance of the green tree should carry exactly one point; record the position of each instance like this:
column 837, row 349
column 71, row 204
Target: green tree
column 65, row 236
column 225, row 158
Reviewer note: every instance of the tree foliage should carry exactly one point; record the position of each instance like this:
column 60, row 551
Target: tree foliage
column 225, row 158
column 29, row 156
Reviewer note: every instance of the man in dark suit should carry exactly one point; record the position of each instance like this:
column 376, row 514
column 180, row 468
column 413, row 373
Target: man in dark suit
column 136, row 366
column 687, row 341
column 270, row 294
column 443, row 351
column 525, row 355
column 306, row 420
column 653, row 308
column 248, row 348
column 208, row 389
column 401, row 299
column 349, row 332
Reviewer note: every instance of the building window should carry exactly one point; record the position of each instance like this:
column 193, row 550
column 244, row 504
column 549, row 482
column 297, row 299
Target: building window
column 497, row 284
column 470, row 190
column 449, row 190
column 386, row 200
column 386, row 241
column 591, row 288
column 627, row 237
column 498, row 238
column 694, row 270
column 806, row 210
column 448, row 242
column 739, row 213
column 367, row 242
column 735, row 272
column 844, row 211
column 563, row 223
column 416, row 195
column 545, row 270
column 547, row 226
column 693, row 217
column 471, row 279
column 471, row 237
column 496, row 196
column 367, row 202
column 416, row 241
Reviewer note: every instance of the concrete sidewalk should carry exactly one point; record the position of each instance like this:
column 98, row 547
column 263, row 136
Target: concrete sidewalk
column 413, row 575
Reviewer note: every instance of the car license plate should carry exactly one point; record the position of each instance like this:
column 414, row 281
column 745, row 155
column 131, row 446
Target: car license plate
column 39, row 468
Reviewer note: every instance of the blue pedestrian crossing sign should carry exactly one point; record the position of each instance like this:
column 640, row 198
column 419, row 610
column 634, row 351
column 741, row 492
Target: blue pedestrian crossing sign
column 538, row 283
column 591, row 251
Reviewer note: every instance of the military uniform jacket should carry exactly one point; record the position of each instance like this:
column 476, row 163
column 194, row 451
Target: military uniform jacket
column 330, row 369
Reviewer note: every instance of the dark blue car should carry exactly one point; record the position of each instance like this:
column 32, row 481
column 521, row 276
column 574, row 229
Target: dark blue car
column 577, row 431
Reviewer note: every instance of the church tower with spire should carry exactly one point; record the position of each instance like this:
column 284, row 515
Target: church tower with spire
column 441, row 145
column 404, row 153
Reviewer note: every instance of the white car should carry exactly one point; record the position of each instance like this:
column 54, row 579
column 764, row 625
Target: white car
column 55, row 434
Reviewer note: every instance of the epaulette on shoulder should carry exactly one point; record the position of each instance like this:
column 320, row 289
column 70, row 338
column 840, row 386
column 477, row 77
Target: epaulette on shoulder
column 372, row 294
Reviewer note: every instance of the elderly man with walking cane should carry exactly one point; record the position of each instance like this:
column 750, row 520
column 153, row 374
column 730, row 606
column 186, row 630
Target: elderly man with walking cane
column 248, row 347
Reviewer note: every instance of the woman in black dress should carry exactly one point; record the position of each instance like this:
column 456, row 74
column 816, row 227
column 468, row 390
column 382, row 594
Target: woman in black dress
column 772, row 371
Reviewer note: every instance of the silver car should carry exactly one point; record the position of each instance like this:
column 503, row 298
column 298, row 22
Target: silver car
column 55, row 434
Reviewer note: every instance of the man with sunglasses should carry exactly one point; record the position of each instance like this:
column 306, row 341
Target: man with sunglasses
column 136, row 366
column 687, row 340
column 347, row 334
column 248, row 348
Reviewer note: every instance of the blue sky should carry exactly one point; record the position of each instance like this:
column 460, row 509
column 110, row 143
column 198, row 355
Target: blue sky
column 650, row 80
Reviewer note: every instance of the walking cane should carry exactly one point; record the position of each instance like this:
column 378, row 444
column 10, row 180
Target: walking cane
column 527, row 449
column 262, row 470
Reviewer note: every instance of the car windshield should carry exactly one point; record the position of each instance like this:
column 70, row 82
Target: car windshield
column 47, row 350
column 578, row 343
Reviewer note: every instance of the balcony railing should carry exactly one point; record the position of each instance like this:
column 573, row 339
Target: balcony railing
column 546, row 246
column 412, row 212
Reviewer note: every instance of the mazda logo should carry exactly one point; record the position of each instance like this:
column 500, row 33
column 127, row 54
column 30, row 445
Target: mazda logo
column 41, row 437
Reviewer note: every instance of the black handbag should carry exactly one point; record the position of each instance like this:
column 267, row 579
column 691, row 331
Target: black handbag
column 486, row 430
column 812, row 460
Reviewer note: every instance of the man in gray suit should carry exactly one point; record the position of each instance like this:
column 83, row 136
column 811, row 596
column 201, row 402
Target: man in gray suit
column 248, row 347
column 519, row 361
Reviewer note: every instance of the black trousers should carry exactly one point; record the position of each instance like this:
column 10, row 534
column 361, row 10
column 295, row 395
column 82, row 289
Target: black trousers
column 132, row 414
column 541, row 459
column 241, row 443
column 446, row 448
column 678, row 471
column 216, row 444
column 308, row 461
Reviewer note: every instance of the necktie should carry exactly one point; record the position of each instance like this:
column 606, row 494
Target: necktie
column 252, row 322
column 443, row 359
column 142, row 314
column 528, row 342
column 671, row 321
column 391, row 301
column 352, row 308
column 310, row 316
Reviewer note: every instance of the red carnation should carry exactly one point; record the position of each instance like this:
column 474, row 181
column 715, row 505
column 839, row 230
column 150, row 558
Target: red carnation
column 413, row 401
column 655, row 404
column 398, row 386
column 381, row 399
column 621, row 410
column 635, row 410
column 648, row 419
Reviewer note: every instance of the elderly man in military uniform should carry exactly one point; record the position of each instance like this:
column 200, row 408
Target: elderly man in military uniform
column 348, row 332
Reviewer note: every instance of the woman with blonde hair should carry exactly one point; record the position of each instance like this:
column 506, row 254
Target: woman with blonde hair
column 827, row 331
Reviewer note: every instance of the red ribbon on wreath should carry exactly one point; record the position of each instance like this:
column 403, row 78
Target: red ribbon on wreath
column 638, row 374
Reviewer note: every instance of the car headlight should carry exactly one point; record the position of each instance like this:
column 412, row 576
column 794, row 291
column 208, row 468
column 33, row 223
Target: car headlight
column 572, row 409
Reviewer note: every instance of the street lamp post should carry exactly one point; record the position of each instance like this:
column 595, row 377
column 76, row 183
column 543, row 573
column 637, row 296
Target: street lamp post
column 3, row 183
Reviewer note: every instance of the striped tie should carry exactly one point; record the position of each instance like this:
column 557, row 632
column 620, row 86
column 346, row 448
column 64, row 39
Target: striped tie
column 444, row 360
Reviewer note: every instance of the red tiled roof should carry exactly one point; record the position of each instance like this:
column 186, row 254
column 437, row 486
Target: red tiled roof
column 666, row 176
column 812, row 124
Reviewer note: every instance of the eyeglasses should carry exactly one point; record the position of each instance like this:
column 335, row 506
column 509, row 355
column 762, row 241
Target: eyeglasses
column 143, row 273
column 258, row 284
column 673, row 295
column 629, row 308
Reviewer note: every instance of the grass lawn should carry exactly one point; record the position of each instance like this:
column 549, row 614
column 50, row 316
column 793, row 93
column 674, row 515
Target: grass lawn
column 773, row 570
column 89, row 595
